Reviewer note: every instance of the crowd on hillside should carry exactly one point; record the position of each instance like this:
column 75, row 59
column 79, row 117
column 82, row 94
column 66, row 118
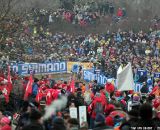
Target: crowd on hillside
column 107, row 51
column 29, row 40
column 88, row 13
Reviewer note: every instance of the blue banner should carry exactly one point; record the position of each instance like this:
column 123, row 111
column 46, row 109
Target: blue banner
column 142, row 72
column 157, row 75
column 138, row 87
column 90, row 76
column 40, row 68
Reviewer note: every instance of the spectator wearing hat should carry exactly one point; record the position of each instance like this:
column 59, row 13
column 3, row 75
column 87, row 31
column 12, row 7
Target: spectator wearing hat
column 156, row 105
column 131, row 121
column 100, row 123
column 109, row 86
column 84, row 126
column 97, row 106
column 73, row 124
column 144, row 88
column 58, row 124
column 35, row 88
column 95, row 86
column 36, row 122
column 24, row 115
column 5, row 123
column 156, row 90
column 116, row 116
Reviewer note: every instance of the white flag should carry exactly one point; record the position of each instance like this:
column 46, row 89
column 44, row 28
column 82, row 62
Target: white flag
column 119, row 69
column 125, row 80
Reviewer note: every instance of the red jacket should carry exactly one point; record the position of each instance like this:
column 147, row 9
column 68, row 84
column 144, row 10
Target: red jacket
column 109, row 87
column 92, row 106
column 155, row 91
column 6, row 127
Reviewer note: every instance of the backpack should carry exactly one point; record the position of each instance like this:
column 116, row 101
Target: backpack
column 117, row 117
column 98, row 108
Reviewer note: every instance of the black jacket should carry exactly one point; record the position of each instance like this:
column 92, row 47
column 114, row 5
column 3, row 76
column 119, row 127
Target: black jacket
column 144, row 89
column 33, row 126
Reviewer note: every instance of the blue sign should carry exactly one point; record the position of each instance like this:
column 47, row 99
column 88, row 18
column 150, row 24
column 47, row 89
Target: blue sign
column 142, row 72
column 157, row 75
column 90, row 76
column 39, row 68
column 138, row 87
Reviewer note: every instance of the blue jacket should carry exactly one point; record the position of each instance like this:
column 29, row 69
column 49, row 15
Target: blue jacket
column 34, row 89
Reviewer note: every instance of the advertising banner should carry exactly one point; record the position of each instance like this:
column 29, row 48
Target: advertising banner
column 157, row 75
column 142, row 72
column 40, row 68
column 90, row 76
column 101, row 79
column 85, row 65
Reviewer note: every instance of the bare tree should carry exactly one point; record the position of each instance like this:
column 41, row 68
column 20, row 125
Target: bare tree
column 6, row 13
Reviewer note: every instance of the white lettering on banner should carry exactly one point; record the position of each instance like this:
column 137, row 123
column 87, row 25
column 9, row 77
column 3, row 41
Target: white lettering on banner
column 32, row 67
column 86, row 75
column 137, row 87
column 24, row 69
column 89, row 76
column 56, row 67
column 15, row 68
column 35, row 68
column 100, row 78
column 157, row 75
column 62, row 66
column 92, row 76
column 150, row 88
column 104, row 80
column 49, row 67
column 42, row 68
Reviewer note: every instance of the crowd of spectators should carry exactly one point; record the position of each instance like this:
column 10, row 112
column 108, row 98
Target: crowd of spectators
column 108, row 51
column 30, row 40
column 107, row 108
column 89, row 14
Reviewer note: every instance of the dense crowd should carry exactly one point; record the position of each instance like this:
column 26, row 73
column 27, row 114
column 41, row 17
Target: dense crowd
column 28, row 39
column 107, row 51
column 107, row 108
column 89, row 13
